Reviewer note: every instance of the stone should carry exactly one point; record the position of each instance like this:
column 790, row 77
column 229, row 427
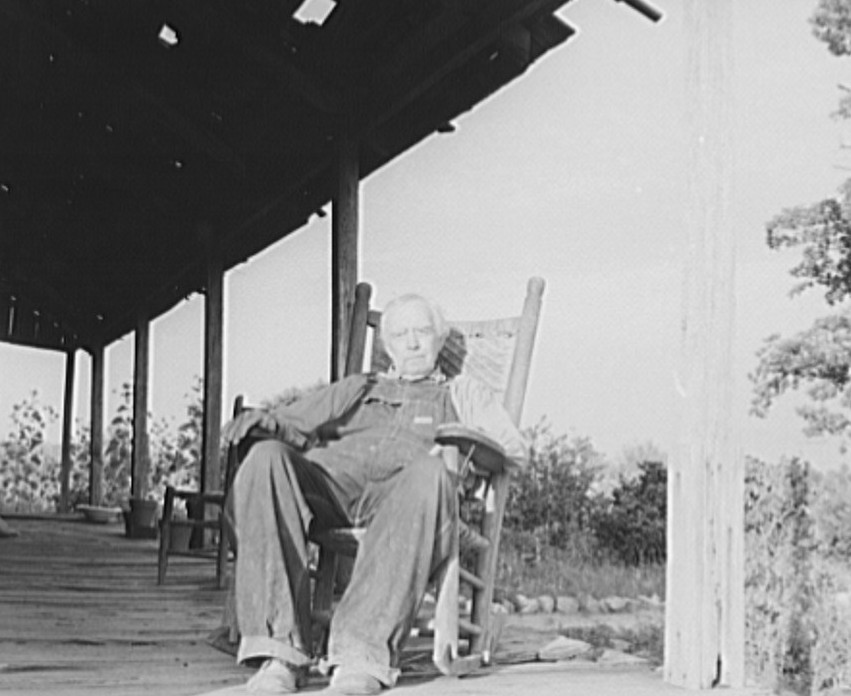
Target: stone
column 653, row 600
column 615, row 605
column 620, row 644
column 547, row 604
column 616, row 658
column 591, row 605
column 530, row 606
column 567, row 605
column 563, row 648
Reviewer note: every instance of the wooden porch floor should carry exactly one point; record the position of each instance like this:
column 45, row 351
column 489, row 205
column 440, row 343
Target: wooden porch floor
column 81, row 613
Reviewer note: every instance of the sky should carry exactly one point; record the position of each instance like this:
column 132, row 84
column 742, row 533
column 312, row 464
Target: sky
column 576, row 173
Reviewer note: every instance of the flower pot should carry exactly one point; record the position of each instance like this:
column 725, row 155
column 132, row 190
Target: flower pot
column 141, row 519
column 99, row 514
column 179, row 537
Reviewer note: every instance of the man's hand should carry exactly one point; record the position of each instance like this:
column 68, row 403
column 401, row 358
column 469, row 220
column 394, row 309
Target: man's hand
column 235, row 430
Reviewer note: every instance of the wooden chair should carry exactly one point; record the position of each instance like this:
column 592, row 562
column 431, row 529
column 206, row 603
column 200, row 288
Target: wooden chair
column 199, row 522
column 498, row 353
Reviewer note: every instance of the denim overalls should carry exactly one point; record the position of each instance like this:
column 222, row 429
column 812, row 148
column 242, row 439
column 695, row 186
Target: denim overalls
column 394, row 424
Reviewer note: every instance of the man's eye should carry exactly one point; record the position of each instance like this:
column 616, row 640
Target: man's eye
column 428, row 331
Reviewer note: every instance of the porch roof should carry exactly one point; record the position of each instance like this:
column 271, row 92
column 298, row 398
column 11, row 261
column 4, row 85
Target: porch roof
column 136, row 134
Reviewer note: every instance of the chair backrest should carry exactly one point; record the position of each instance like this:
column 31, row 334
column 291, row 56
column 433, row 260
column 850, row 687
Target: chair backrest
column 497, row 352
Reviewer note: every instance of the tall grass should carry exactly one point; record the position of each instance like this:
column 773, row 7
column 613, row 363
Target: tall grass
column 535, row 570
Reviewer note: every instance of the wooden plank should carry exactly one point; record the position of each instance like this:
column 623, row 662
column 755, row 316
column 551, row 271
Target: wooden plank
column 67, row 426
column 141, row 452
column 82, row 614
column 96, row 427
column 344, row 252
column 704, row 635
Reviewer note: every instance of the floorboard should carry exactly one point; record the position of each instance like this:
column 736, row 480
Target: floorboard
column 81, row 614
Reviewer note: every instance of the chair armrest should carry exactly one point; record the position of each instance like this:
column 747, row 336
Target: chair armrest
column 486, row 453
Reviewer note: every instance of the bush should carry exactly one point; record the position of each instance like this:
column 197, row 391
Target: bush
column 30, row 477
column 796, row 574
column 630, row 526
column 551, row 499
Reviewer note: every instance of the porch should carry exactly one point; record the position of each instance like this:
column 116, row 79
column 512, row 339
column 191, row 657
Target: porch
column 82, row 615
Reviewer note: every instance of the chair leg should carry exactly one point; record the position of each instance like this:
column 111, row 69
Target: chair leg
column 222, row 557
column 165, row 535
column 446, row 625
column 323, row 596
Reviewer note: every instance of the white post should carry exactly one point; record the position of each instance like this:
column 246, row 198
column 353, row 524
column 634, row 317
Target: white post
column 704, row 623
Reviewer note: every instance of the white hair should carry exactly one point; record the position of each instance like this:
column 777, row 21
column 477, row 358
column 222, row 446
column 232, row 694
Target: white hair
column 441, row 327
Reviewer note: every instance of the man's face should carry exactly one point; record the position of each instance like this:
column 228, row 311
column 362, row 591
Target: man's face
column 412, row 340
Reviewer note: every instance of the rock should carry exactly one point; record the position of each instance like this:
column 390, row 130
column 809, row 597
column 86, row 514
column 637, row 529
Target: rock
column 653, row 600
column 567, row 605
column 615, row 605
column 620, row 644
column 498, row 608
column 547, row 604
column 564, row 649
column 509, row 606
column 530, row 606
column 518, row 600
column 616, row 658
column 591, row 605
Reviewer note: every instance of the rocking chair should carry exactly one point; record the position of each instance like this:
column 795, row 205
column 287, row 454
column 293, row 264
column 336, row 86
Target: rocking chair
column 497, row 352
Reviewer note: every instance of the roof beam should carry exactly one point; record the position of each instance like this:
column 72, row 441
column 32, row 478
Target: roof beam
column 475, row 37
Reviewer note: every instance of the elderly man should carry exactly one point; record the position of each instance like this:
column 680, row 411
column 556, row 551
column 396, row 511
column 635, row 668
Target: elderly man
column 359, row 452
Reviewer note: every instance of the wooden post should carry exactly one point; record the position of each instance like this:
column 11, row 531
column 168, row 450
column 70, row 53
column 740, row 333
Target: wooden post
column 213, row 318
column 344, row 252
column 67, row 426
column 704, row 629
column 96, row 435
column 141, row 454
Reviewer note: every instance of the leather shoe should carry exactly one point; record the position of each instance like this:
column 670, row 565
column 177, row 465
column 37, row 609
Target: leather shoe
column 274, row 677
column 354, row 683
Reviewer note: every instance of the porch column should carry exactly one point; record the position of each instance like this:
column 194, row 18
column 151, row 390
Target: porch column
column 96, row 427
column 141, row 453
column 67, row 425
column 213, row 319
column 704, row 618
column 344, row 252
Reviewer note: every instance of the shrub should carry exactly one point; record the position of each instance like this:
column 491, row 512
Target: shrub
column 630, row 525
column 551, row 498
column 30, row 477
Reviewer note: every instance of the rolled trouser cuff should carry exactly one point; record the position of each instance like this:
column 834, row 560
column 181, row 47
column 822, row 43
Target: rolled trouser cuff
column 265, row 647
column 386, row 675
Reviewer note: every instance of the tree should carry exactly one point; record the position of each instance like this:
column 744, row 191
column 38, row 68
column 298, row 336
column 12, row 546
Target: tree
column 818, row 359
column 552, row 497
column 630, row 525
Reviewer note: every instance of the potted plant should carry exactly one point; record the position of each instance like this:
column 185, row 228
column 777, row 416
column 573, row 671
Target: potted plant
column 179, row 534
column 140, row 518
